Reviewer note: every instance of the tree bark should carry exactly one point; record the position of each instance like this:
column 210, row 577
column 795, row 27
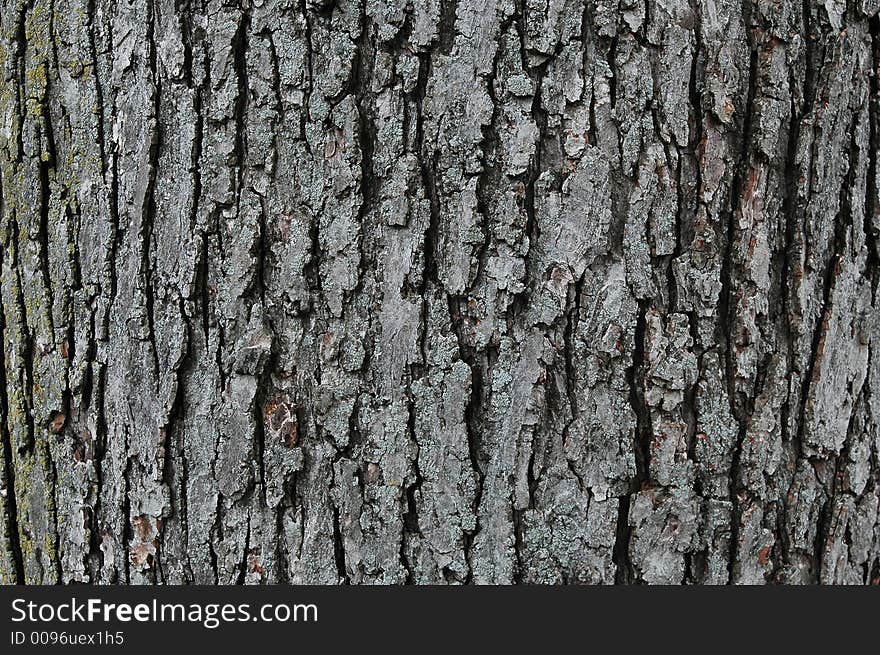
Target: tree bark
column 545, row 291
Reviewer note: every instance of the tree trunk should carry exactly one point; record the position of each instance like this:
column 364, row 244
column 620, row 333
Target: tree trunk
column 547, row 291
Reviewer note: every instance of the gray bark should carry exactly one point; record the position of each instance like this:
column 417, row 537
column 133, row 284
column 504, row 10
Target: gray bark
column 551, row 291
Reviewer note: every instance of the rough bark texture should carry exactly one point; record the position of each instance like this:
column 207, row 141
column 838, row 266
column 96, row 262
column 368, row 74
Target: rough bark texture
column 551, row 291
